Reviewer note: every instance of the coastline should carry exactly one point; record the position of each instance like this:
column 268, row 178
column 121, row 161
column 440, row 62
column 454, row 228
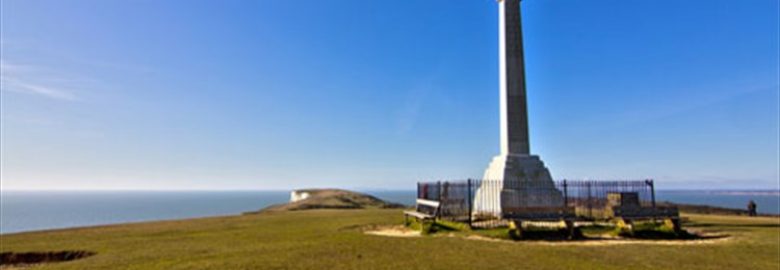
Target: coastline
column 62, row 210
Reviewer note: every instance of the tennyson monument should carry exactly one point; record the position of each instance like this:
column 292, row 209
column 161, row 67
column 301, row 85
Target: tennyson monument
column 514, row 178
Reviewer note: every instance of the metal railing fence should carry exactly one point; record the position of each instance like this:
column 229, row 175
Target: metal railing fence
column 490, row 200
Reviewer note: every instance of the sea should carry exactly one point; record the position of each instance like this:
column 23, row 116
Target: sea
column 24, row 211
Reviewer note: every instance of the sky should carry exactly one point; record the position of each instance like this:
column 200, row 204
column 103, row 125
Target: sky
column 272, row 94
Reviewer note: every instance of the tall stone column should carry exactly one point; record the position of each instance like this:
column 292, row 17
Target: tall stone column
column 515, row 178
column 514, row 110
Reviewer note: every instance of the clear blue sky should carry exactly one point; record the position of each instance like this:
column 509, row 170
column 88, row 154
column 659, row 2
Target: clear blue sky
column 380, row 94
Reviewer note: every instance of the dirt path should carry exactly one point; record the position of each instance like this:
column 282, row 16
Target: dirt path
column 606, row 242
column 393, row 231
column 401, row 231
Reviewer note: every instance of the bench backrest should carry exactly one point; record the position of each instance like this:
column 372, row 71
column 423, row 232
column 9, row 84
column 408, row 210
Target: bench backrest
column 428, row 206
column 428, row 203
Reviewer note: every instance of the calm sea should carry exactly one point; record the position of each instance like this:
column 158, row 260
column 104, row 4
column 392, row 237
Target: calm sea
column 40, row 210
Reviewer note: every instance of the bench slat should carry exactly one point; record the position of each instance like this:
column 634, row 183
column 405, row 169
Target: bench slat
column 428, row 202
column 417, row 214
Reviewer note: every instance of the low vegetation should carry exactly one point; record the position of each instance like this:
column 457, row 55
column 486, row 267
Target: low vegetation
column 20, row 259
column 710, row 210
column 335, row 239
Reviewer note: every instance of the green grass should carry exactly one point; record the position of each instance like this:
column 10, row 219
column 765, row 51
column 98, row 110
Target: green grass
column 596, row 230
column 497, row 233
column 332, row 239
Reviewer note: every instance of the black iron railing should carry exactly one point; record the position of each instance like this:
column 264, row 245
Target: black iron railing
column 478, row 200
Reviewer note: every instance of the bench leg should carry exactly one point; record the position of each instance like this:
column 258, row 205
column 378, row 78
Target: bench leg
column 516, row 229
column 570, row 229
column 674, row 224
column 625, row 226
column 677, row 226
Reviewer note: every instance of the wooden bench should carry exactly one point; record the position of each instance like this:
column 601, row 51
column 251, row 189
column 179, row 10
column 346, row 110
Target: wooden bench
column 424, row 209
column 645, row 212
column 624, row 217
column 518, row 215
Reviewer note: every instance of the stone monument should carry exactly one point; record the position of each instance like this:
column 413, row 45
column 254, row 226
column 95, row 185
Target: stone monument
column 514, row 178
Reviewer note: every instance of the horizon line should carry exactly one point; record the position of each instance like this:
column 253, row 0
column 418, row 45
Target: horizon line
column 355, row 189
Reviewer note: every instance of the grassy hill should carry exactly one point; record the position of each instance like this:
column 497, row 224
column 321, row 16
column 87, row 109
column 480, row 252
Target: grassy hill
column 332, row 239
column 332, row 199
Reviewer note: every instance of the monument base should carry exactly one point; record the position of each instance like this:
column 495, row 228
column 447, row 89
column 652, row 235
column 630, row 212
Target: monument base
column 516, row 182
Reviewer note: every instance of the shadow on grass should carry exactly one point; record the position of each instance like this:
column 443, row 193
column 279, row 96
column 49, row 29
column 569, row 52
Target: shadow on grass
column 594, row 233
column 26, row 258
column 705, row 225
column 665, row 235
column 642, row 231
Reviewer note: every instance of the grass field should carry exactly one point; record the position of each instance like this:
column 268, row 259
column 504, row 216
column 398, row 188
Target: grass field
column 332, row 239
